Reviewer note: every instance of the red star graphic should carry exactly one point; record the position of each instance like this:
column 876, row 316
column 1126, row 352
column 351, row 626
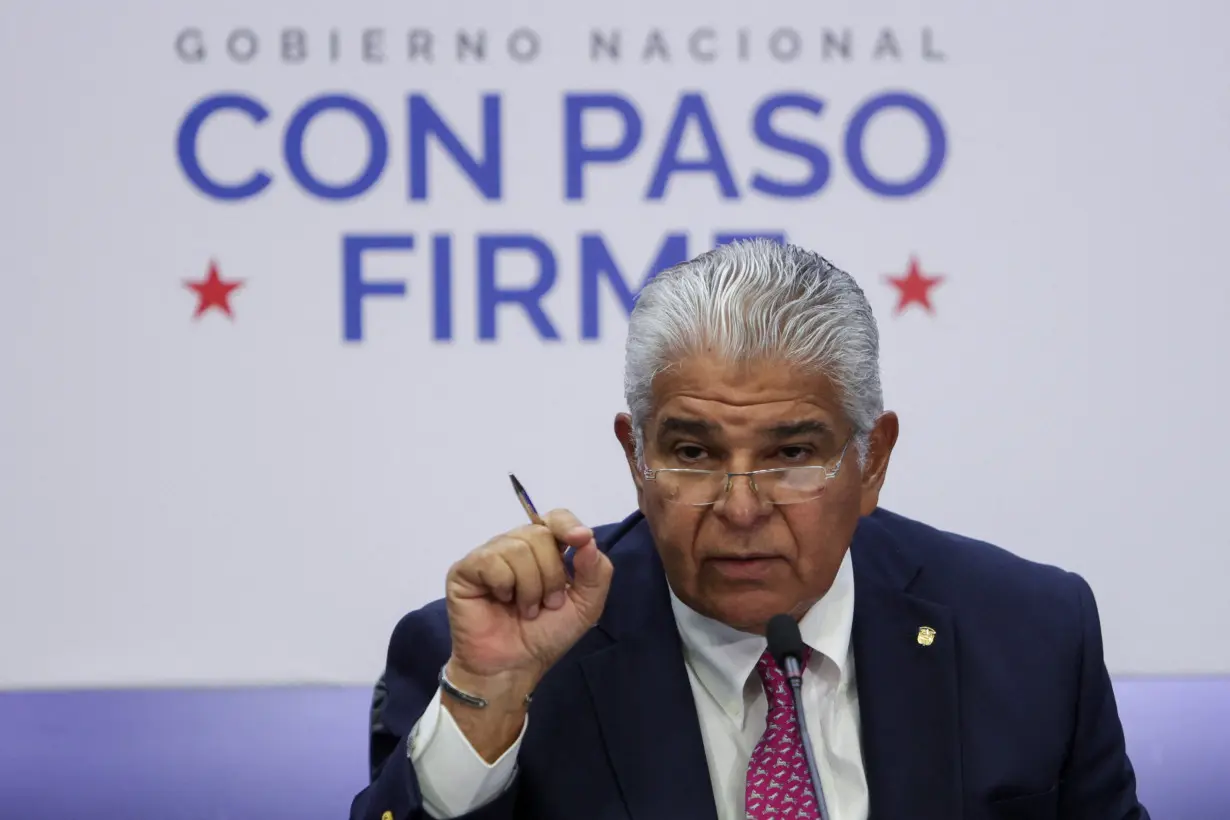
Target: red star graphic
column 213, row 292
column 914, row 288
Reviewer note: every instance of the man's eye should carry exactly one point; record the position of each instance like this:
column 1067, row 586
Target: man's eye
column 690, row 452
column 795, row 453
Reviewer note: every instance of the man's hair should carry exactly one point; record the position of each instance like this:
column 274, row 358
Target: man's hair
column 757, row 301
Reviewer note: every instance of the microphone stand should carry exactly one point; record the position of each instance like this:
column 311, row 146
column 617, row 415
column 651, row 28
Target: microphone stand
column 794, row 673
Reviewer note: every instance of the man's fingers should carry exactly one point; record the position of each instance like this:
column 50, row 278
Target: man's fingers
column 550, row 565
column 567, row 528
column 520, row 557
column 564, row 528
column 526, row 566
column 490, row 573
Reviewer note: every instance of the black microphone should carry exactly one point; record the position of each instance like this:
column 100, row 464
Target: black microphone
column 786, row 647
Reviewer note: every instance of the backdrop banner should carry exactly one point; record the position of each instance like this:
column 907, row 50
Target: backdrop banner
column 291, row 287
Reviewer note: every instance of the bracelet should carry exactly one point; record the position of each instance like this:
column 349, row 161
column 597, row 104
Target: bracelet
column 447, row 687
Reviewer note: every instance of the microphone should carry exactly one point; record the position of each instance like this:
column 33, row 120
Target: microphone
column 786, row 647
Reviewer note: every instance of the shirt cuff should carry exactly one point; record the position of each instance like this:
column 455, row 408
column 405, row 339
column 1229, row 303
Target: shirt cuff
column 453, row 778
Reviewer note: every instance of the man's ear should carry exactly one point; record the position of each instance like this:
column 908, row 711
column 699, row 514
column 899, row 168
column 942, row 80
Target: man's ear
column 883, row 438
column 627, row 440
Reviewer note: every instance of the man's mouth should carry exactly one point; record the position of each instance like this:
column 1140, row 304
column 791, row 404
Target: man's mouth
column 749, row 566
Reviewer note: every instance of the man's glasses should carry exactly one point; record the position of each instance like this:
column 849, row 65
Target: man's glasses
column 779, row 485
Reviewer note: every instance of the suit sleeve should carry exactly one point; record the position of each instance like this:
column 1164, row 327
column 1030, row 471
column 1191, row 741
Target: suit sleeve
column 417, row 650
column 1098, row 782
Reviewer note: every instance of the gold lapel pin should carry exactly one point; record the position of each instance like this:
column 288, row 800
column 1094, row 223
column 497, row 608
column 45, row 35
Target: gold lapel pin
column 926, row 636
column 388, row 815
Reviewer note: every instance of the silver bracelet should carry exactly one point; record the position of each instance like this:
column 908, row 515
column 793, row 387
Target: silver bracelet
column 465, row 697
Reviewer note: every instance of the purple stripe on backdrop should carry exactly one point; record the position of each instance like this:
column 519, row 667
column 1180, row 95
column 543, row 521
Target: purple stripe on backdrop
column 300, row 753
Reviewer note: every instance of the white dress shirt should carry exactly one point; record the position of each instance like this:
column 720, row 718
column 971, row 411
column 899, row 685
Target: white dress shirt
column 730, row 704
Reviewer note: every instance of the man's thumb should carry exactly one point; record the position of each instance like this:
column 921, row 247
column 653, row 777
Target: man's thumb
column 591, row 573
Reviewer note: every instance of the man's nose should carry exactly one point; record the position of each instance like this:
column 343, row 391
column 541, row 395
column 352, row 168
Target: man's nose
column 741, row 504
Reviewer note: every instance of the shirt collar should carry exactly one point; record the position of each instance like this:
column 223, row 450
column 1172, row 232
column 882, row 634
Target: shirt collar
column 723, row 658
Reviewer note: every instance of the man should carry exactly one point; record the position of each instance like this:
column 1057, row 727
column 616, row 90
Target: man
column 943, row 679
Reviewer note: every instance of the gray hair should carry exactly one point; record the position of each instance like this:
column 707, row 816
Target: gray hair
column 758, row 300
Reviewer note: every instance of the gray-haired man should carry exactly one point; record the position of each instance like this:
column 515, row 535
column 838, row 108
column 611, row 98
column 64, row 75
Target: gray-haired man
column 758, row 443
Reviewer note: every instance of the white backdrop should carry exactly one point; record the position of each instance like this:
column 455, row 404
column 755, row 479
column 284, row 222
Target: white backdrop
column 258, row 499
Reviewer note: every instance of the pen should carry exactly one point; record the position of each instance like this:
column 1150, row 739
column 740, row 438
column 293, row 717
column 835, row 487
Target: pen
column 535, row 518
column 524, row 498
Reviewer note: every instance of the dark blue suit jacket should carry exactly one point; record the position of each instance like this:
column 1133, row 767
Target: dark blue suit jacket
column 1008, row 714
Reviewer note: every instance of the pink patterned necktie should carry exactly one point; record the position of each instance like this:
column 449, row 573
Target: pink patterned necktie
column 778, row 785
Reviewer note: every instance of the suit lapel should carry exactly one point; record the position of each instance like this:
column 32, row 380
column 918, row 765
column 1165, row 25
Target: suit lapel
column 641, row 694
column 908, row 699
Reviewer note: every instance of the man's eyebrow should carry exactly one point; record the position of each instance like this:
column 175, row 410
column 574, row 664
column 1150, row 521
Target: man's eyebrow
column 686, row 427
column 791, row 429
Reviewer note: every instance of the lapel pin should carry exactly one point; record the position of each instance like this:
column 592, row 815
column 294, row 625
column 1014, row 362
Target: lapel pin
column 926, row 636
column 388, row 815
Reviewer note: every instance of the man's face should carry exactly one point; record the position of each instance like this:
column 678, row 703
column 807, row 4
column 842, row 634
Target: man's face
column 743, row 560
